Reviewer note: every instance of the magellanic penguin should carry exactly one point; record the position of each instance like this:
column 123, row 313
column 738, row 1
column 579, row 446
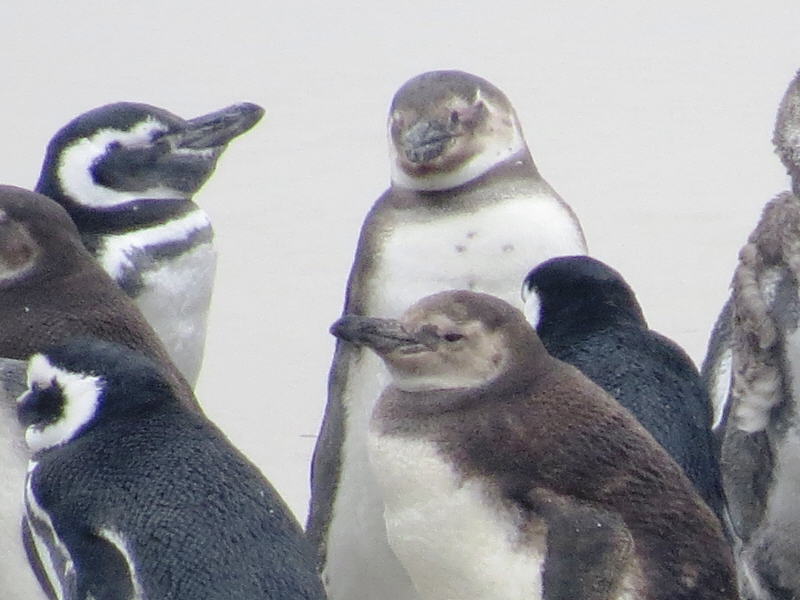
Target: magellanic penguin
column 759, row 404
column 131, row 495
column 51, row 289
column 126, row 173
column 506, row 473
column 587, row 315
column 466, row 208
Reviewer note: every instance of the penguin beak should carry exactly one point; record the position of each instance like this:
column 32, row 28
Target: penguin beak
column 218, row 128
column 384, row 336
column 426, row 140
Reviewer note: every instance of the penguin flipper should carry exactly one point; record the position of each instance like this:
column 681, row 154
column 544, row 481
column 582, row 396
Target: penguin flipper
column 106, row 571
column 746, row 464
column 85, row 563
column 33, row 558
column 588, row 549
column 327, row 458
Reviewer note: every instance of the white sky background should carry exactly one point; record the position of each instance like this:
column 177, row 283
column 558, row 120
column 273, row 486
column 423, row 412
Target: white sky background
column 653, row 120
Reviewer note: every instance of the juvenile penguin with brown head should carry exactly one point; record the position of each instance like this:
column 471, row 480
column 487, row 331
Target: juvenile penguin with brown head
column 508, row 474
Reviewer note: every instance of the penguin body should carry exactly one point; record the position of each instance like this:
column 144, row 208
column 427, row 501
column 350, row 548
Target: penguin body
column 51, row 289
column 129, row 494
column 126, row 173
column 466, row 209
column 753, row 362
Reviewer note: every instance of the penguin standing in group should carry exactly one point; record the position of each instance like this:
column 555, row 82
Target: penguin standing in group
column 126, row 174
column 131, row 495
column 587, row 315
column 753, row 362
column 51, row 289
column 466, row 208
column 507, row 473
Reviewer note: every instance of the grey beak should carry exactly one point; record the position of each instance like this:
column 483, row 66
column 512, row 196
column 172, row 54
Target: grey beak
column 382, row 335
column 220, row 127
column 426, row 140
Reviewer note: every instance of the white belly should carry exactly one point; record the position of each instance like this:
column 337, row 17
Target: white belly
column 360, row 565
column 175, row 301
column 491, row 251
column 454, row 538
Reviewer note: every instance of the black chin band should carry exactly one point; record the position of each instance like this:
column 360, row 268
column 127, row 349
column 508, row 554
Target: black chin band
column 132, row 215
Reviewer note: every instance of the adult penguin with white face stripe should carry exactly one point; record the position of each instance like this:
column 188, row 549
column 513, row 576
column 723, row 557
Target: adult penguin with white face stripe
column 126, row 174
column 466, row 209
column 131, row 495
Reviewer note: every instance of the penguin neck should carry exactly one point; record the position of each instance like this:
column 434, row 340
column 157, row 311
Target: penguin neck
column 400, row 410
column 135, row 214
column 518, row 168
column 126, row 253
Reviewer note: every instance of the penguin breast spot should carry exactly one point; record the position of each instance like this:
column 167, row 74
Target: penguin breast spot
column 508, row 248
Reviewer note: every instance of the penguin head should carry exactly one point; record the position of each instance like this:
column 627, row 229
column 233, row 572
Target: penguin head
column 126, row 151
column 447, row 128
column 37, row 237
column 787, row 132
column 453, row 339
column 573, row 289
column 73, row 387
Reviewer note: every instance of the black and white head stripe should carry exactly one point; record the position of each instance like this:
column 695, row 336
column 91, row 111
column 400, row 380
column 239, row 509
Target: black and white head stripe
column 78, row 181
column 124, row 152
column 58, row 403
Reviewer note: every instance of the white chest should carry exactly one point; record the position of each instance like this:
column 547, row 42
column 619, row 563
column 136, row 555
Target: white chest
column 489, row 250
column 119, row 251
column 175, row 301
column 454, row 538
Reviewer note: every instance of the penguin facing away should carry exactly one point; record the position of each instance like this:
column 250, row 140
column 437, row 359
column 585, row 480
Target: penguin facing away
column 51, row 289
column 506, row 473
column 587, row 315
column 466, row 208
column 131, row 495
column 758, row 400
column 126, row 174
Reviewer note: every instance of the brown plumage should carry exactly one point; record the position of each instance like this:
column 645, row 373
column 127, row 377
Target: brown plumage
column 51, row 289
column 551, row 444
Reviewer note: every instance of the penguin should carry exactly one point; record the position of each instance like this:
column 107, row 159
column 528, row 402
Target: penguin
column 51, row 289
column 126, row 173
column 131, row 495
column 507, row 473
column 587, row 315
column 466, row 208
column 759, row 415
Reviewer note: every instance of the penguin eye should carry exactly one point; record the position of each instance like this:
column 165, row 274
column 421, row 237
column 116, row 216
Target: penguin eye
column 452, row 337
column 454, row 117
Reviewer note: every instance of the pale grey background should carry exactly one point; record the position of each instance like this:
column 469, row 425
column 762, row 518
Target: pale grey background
column 652, row 119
